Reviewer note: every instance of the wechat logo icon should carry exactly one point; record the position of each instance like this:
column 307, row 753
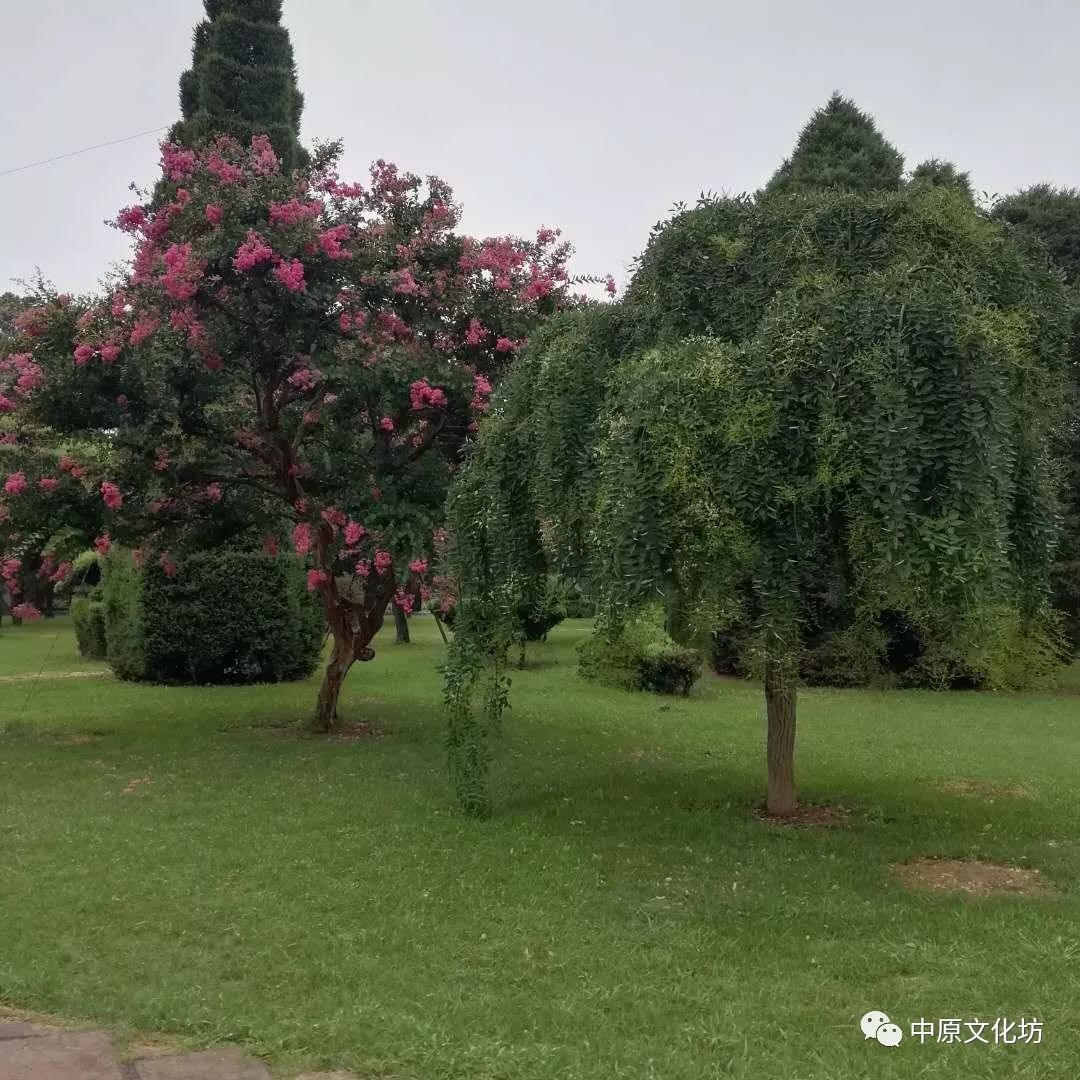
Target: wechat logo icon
column 876, row 1025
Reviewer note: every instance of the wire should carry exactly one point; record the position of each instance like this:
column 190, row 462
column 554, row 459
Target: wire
column 84, row 150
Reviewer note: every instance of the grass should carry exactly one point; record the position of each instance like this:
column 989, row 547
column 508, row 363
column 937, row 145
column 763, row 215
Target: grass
column 623, row 916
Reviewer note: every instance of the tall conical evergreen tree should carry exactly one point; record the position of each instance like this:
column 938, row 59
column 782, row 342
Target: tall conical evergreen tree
column 242, row 80
column 840, row 148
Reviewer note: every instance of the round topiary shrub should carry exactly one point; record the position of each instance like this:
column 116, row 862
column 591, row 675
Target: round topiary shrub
column 639, row 656
column 225, row 617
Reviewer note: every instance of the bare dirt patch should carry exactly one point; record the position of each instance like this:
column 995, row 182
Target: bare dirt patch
column 806, row 816
column 969, row 876
column 984, row 789
column 134, row 785
column 359, row 731
column 69, row 738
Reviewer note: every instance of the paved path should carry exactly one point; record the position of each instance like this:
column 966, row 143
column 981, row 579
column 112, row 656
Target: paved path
column 32, row 1052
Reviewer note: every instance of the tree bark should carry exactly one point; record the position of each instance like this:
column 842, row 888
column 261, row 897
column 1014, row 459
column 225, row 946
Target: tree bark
column 401, row 626
column 780, row 740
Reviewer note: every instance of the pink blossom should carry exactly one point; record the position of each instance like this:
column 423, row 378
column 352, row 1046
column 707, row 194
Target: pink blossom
column 69, row 465
column 403, row 600
column 610, row 286
column 15, row 484
column 253, row 251
column 305, row 378
column 61, row 573
column 102, row 544
column 383, row 561
column 109, row 352
column 176, row 162
column 334, row 517
column 386, row 423
column 48, row 484
column 161, row 459
column 419, row 566
column 9, row 571
column 131, row 219
column 214, row 214
column 316, row 579
column 294, row 211
column 291, row 274
column 110, row 495
column 363, row 568
column 330, row 241
column 476, row 333
column 505, row 344
column 354, row 533
column 213, row 492
column 270, row 546
column 182, row 272
column 168, row 565
column 6, row 404
column 226, row 172
column 545, row 236
column 264, row 161
column 83, row 353
column 404, row 283
column 145, row 326
column 26, row 612
column 302, row 538
column 422, row 395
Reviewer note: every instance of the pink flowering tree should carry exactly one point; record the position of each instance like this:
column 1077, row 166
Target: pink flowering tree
column 295, row 359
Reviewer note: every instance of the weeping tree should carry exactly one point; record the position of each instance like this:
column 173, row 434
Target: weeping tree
column 873, row 414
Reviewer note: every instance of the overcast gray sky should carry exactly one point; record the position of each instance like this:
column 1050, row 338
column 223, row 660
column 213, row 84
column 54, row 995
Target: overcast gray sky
column 593, row 115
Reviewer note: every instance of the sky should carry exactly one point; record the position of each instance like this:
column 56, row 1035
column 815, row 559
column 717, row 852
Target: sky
column 595, row 116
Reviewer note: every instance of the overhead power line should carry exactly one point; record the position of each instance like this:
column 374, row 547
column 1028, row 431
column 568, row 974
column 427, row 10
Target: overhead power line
column 84, row 150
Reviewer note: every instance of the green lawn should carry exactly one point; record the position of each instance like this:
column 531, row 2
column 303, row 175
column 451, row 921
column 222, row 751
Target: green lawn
column 623, row 916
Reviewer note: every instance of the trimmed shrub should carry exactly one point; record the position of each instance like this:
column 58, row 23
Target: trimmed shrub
column 639, row 656
column 226, row 617
column 88, row 618
column 122, row 594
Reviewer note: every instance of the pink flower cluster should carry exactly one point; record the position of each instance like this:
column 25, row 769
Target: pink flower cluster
column 354, row 533
column 102, row 544
column 422, row 395
column 22, row 377
column 295, row 211
column 176, row 162
column 26, row 612
column 481, row 393
column 476, row 333
column 383, row 561
column 182, row 272
column 110, row 495
column 15, row 484
column 252, row 252
column 48, row 484
column 302, row 538
column 316, row 579
column 291, row 274
column 331, row 240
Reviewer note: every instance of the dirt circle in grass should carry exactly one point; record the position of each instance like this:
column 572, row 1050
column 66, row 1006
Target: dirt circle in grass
column 969, row 876
column 806, row 816
column 983, row 789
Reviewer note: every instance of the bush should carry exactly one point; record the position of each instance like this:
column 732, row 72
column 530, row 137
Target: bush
column 88, row 617
column 639, row 656
column 1067, row 600
column 226, row 617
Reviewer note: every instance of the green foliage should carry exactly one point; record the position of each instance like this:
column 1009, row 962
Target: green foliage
column 839, row 149
column 122, row 595
column 850, row 408
column 1051, row 216
column 88, row 618
column 636, row 654
column 227, row 617
column 242, row 80
column 937, row 173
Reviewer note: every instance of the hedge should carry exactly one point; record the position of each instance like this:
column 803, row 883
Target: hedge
column 88, row 618
column 226, row 617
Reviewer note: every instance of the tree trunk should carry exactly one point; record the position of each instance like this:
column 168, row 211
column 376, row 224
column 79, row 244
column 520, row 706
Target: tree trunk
column 401, row 625
column 780, row 741
column 326, row 714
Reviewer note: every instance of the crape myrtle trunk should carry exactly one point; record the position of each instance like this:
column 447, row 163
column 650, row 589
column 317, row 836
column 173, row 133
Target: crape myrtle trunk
column 780, row 700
